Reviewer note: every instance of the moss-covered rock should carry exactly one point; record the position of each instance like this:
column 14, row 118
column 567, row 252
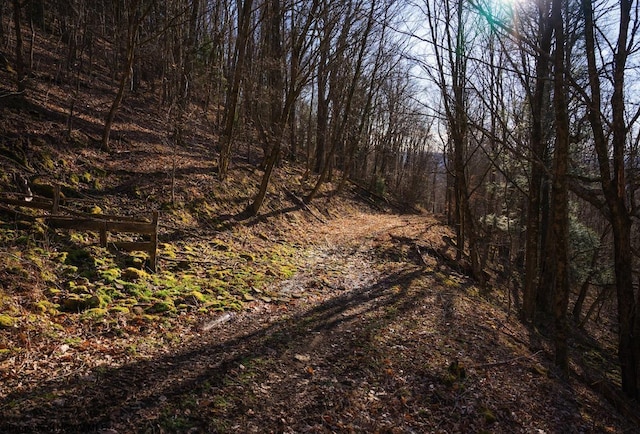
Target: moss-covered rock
column 95, row 313
column 7, row 321
column 161, row 307
column 80, row 302
column 136, row 260
column 194, row 298
column 110, row 275
column 132, row 274
column 45, row 306
column 119, row 309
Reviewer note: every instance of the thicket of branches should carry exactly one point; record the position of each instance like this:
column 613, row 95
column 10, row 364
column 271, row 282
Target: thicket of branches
column 517, row 119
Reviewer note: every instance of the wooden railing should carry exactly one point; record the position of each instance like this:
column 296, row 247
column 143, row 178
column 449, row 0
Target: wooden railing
column 63, row 218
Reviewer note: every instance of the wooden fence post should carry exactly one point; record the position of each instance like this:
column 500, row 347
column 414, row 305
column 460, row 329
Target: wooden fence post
column 103, row 234
column 154, row 242
column 56, row 199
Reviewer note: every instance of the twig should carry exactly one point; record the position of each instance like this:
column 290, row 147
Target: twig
column 504, row 362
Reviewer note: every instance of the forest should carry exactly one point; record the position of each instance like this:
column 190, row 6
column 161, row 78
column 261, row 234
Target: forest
column 319, row 216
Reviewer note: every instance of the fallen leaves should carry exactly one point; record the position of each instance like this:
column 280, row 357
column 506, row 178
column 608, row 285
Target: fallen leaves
column 366, row 347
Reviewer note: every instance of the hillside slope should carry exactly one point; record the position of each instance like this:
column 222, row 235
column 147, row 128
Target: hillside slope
column 336, row 317
column 369, row 335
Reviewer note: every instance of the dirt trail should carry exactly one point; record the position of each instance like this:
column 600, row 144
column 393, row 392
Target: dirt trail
column 377, row 339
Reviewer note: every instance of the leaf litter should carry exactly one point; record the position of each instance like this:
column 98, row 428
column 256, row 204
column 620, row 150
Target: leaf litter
column 368, row 338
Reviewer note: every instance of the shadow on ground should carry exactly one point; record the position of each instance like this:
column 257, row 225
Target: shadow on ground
column 130, row 394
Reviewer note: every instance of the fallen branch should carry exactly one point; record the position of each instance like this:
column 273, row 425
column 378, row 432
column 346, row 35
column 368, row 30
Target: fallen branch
column 504, row 362
column 300, row 202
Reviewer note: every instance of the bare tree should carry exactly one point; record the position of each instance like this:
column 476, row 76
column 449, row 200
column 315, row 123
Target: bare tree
column 136, row 12
column 612, row 134
column 233, row 94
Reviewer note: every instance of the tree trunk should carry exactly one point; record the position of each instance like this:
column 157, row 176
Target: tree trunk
column 124, row 78
column 20, row 68
column 614, row 188
column 234, row 91
column 135, row 17
column 538, row 110
column 348, row 103
column 322, row 117
column 560, row 195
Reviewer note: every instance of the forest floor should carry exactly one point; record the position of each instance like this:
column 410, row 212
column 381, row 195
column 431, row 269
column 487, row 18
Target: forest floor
column 340, row 316
column 371, row 334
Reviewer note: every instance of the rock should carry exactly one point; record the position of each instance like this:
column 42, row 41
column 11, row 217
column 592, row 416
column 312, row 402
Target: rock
column 133, row 274
column 80, row 302
column 160, row 307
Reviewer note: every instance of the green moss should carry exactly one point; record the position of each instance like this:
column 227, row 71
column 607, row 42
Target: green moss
column 86, row 177
column 48, row 276
column 47, row 161
column 70, row 270
column 74, row 179
column 119, row 309
column 95, row 313
column 194, row 298
column 161, row 307
column 62, row 257
column 110, row 275
column 78, row 257
column 168, row 250
column 79, row 289
column 45, row 306
column 79, row 303
column 105, row 298
column 197, row 296
column 7, row 321
column 132, row 274
column 52, row 292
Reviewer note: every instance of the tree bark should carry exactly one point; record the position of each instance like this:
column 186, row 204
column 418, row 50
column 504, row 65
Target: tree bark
column 539, row 100
column 560, row 195
column 234, row 91
column 20, row 68
column 134, row 19
column 614, row 188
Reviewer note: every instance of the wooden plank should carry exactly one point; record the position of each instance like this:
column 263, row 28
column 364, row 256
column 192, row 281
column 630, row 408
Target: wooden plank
column 35, row 204
column 75, row 223
column 130, row 246
column 133, row 227
column 56, row 199
column 103, row 235
column 154, row 242
column 104, row 226
column 119, row 218
column 99, row 224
